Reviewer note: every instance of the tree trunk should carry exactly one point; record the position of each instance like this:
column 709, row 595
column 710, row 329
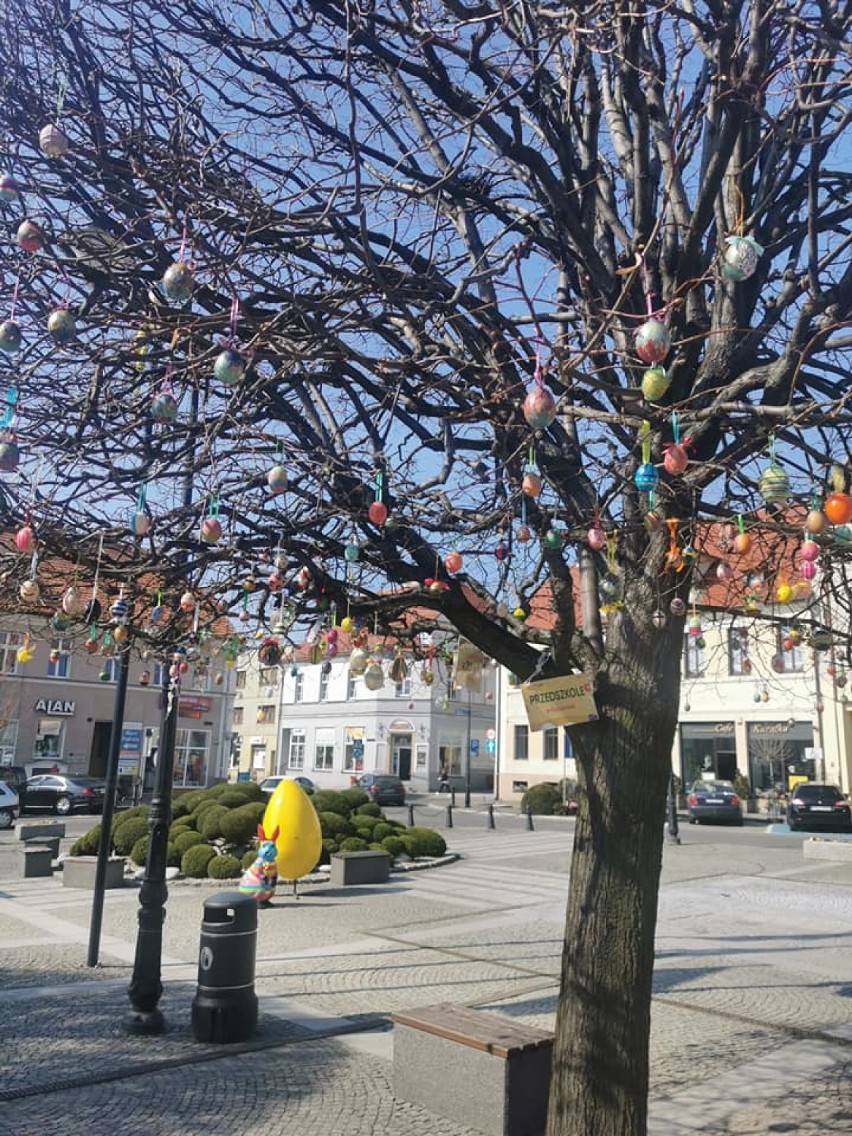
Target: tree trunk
column 599, row 1085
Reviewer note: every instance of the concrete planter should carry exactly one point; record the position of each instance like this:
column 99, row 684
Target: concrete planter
column 79, row 872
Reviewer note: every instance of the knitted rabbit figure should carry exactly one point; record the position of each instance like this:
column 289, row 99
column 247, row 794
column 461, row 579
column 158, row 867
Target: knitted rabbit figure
column 260, row 879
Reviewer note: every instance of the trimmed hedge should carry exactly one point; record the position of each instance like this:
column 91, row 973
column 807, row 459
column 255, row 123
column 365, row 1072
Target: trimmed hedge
column 210, row 824
column 139, row 851
column 224, row 868
column 186, row 840
column 353, row 844
column 395, row 845
column 87, row 844
column 239, row 825
column 194, row 861
column 423, row 842
column 334, row 825
column 330, row 801
column 542, row 800
column 383, row 829
column 128, row 833
column 371, row 809
column 248, row 858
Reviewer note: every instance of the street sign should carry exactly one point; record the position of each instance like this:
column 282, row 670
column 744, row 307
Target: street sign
column 490, row 745
column 491, row 734
column 357, row 749
column 474, row 745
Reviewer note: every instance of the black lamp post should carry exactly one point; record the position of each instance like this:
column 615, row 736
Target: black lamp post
column 467, row 756
column 146, row 986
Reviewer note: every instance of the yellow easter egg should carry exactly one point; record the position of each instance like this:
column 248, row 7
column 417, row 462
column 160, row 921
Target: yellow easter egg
column 784, row 593
column 299, row 841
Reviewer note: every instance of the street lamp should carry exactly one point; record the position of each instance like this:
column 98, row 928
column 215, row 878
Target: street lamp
column 467, row 755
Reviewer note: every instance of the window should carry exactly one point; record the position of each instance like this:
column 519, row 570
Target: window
column 738, row 661
column 298, row 687
column 191, row 749
column 693, row 655
column 8, row 742
column 353, row 752
column 266, row 714
column 237, row 716
column 550, row 743
column 324, row 749
column 789, row 651
column 402, row 689
column 522, row 743
column 159, row 673
column 240, row 682
column 325, row 678
column 10, row 642
column 296, row 753
column 58, row 660
column 351, row 690
column 268, row 676
column 109, row 669
column 449, row 758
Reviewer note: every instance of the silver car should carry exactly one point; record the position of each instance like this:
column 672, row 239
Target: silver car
column 10, row 806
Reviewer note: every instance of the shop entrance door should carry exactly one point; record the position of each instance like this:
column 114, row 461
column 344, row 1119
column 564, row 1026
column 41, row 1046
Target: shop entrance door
column 401, row 756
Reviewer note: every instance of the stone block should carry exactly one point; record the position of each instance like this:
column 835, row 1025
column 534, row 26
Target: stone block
column 79, row 872
column 39, row 830
column 369, row 867
column 36, row 860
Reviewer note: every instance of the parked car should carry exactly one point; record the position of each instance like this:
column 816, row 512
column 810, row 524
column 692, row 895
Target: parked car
column 63, row 794
column 815, row 805
column 270, row 784
column 714, row 800
column 9, row 805
column 382, row 788
column 15, row 777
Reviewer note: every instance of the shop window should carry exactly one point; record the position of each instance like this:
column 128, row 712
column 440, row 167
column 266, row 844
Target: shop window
column 449, row 758
column 268, row 676
column 779, row 753
column 707, row 749
column 522, row 743
column 191, row 752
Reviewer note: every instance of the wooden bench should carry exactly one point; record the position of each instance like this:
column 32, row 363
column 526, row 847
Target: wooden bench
column 483, row 1070
column 368, row 867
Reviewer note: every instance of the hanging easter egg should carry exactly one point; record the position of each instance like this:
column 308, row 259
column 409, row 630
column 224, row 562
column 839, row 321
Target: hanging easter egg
column 230, row 367
column 120, row 634
column 841, row 679
column 374, row 676
column 377, row 512
column 838, row 508
column 531, row 485
column 61, row 326
column 211, row 530
column 164, row 407
column 795, row 636
column 659, row 619
column 675, row 459
column 332, row 635
column 187, row 601
column 269, row 652
column 501, row 550
column 653, row 341
column 646, row 477
column 352, row 550
column 140, row 523
column 276, row 479
column 25, row 539
column 689, row 554
column 347, row 625
column 275, row 582
column 60, row 622
column 522, row 534
column 453, row 561
column 808, row 570
column 9, row 190
column 520, row 613
column 29, row 591
column 814, row 521
column 693, row 626
column 539, row 408
column 610, row 589
column 809, row 550
column 178, row 281
column 144, row 678
column 677, row 606
column 655, row 383
column 72, row 601
column 724, row 572
column 120, row 610
column 596, row 538
column 784, row 593
column 10, row 337
column 92, row 612
column 740, row 258
column 774, row 484
column 358, row 661
column 52, row 141
column 741, row 543
column 29, row 236
column 553, row 538
column 54, row 655
column 843, row 534
column 24, row 654
column 10, row 455
column 821, row 640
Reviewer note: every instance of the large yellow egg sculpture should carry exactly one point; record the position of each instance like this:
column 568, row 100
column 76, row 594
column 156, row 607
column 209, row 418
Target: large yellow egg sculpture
column 299, row 840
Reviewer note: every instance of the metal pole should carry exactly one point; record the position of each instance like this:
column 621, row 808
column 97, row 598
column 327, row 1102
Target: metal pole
column 411, row 816
column 490, row 816
column 449, row 816
column 146, row 986
column 467, row 757
column 530, row 825
column 96, row 920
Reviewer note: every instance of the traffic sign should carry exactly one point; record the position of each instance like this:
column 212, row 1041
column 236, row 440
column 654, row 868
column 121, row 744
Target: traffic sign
column 490, row 745
column 491, row 734
column 474, row 745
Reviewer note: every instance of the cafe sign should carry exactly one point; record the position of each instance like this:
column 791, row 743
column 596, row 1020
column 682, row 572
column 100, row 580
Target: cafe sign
column 58, row 707
column 560, row 701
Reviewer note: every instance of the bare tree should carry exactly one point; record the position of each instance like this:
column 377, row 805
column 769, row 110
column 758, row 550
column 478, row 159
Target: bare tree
column 413, row 223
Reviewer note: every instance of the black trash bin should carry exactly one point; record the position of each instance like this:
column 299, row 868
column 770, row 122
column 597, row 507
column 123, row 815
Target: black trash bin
column 225, row 1005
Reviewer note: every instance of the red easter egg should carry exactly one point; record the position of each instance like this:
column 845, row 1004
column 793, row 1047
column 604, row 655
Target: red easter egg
column 377, row 513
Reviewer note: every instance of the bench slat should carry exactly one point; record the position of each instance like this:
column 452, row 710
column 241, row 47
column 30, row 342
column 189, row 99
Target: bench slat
column 491, row 1033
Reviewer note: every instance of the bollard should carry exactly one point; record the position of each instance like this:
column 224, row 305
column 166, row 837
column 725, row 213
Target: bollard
column 453, row 797
column 225, row 1005
column 449, row 816
column 491, row 816
column 411, row 816
column 529, row 819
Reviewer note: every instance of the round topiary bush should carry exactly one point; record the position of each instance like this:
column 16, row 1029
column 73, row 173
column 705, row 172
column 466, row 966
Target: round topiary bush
column 364, row 824
column 194, row 861
column 371, row 809
column 139, row 851
column 355, row 798
column 129, row 814
column 423, row 842
column 172, row 856
column 210, row 824
column 542, row 800
column 353, row 844
column 335, row 825
column 248, row 858
column 203, row 807
column 87, row 844
column 185, row 803
column 376, row 847
column 249, row 790
column 224, row 868
column 331, row 801
column 127, row 833
column 395, row 845
column 232, row 799
column 186, row 840
column 383, row 829
column 329, row 847
column 239, row 826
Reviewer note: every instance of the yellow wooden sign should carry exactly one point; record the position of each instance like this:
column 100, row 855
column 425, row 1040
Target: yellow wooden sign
column 560, row 701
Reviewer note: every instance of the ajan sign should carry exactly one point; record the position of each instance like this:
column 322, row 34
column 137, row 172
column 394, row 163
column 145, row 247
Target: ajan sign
column 559, row 701
column 58, row 707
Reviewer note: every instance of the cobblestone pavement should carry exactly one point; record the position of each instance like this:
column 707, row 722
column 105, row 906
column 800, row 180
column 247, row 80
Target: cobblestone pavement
column 752, row 995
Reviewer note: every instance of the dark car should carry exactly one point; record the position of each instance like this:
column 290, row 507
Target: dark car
column 270, row 784
column 814, row 805
column 382, row 788
column 716, row 801
column 63, row 794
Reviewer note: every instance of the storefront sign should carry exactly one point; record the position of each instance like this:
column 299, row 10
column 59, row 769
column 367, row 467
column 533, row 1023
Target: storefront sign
column 191, row 706
column 55, row 706
column 559, row 701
